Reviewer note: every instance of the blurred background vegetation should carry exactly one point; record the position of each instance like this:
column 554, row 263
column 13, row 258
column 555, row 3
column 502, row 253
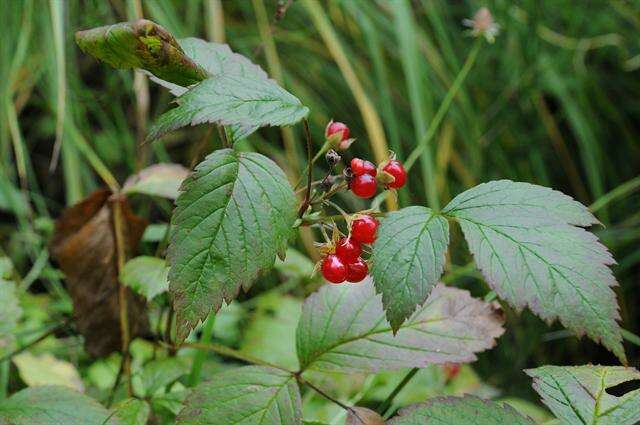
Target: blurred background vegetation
column 554, row 101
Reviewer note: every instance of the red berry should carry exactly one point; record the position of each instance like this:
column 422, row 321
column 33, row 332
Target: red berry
column 357, row 270
column 396, row 169
column 333, row 269
column 364, row 186
column 364, row 229
column 337, row 127
column 451, row 370
column 348, row 250
column 361, row 166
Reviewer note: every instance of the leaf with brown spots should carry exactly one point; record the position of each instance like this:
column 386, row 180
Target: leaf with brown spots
column 84, row 247
column 141, row 44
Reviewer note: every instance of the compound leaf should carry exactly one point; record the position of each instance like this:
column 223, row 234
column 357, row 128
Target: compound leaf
column 527, row 243
column 467, row 410
column 141, row 44
column 235, row 213
column 48, row 405
column 408, row 259
column 343, row 328
column 578, row 394
column 145, row 275
column 250, row 395
column 228, row 99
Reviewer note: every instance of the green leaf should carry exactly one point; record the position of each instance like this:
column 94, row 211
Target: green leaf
column 160, row 373
column 141, row 44
column 343, row 328
column 51, row 405
column 578, row 394
column 162, row 180
column 408, row 259
column 526, row 242
column 216, row 59
column 147, row 276
column 234, row 215
column 467, row 410
column 270, row 334
column 132, row 412
column 251, row 395
column 45, row 369
column 232, row 100
column 10, row 312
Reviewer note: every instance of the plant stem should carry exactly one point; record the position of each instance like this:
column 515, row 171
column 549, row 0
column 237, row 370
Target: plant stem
column 328, row 397
column 305, row 202
column 227, row 352
column 382, row 409
column 622, row 190
column 57, row 23
column 35, row 341
column 423, row 144
column 118, row 229
column 371, row 119
column 200, row 356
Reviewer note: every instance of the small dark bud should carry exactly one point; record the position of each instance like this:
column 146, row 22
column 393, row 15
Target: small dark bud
column 332, row 157
column 328, row 182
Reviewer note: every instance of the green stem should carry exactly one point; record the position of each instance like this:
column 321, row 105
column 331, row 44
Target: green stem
column 423, row 144
column 620, row 191
column 387, row 403
column 321, row 152
column 631, row 337
column 201, row 355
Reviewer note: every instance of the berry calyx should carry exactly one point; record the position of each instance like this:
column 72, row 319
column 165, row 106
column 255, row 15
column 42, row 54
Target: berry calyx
column 361, row 166
column 348, row 250
column 357, row 270
column 364, row 186
column 334, row 269
column 395, row 169
column 364, row 229
column 335, row 127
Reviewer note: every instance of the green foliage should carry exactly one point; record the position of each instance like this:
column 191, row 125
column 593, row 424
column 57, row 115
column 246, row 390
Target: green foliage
column 408, row 259
column 45, row 369
column 578, row 394
column 162, row 180
column 147, row 276
column 234, row 215
column 132, row 412
column 141, row 44
column 526, row 241
column 343, row 328
column 50, row 405
column 468, row 410
column 232, row 100
column 248, row 395
column 270, row 334
column 10, row 312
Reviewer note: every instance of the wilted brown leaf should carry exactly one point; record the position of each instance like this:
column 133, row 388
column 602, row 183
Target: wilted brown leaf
column 84, row 247
column 363, row 416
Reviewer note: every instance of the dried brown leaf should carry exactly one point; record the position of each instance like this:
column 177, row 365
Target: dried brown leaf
column 84, row 247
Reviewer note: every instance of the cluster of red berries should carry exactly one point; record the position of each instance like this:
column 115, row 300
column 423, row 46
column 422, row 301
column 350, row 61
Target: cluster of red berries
column 345, row 262
column 364, row 183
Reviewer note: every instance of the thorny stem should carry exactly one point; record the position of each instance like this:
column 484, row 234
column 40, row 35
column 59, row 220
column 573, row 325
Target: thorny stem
column 382, row 409
column 118, row 228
